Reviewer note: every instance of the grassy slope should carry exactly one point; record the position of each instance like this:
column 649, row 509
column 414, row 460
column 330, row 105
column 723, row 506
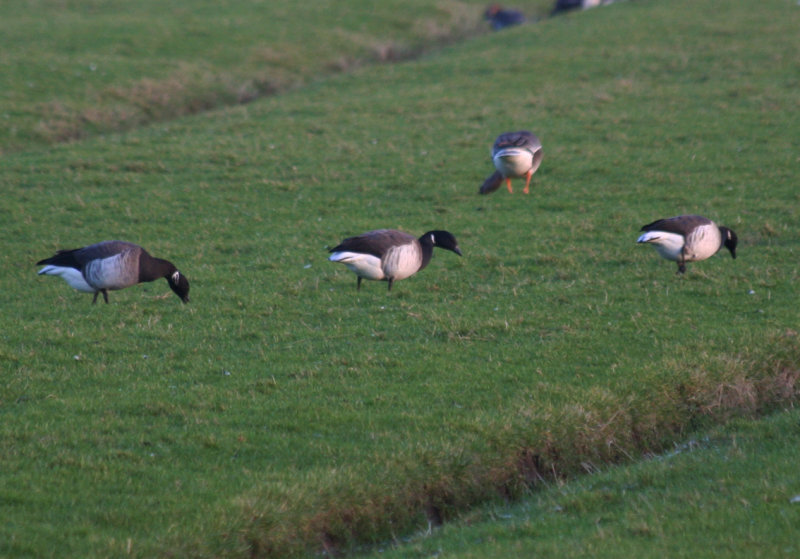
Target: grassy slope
column 72, row 70
column 280, row 393
column 709, row 498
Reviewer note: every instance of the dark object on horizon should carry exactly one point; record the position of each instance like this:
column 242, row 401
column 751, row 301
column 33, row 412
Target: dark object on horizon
column 500, row 17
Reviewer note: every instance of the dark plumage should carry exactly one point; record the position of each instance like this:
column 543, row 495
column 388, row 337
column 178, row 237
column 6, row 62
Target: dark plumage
column 567, row 5
column 112, row 265
column 500, row 17
column 389, row 255
column 688, row 238
column 515, row 155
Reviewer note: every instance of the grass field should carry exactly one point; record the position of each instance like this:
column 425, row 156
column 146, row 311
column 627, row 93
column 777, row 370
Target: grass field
column 709, row 497
column 282, row 412
column 72, row 70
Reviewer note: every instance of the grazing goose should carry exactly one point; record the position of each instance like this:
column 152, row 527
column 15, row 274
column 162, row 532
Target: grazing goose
column 515, row 155
column 390, row 255
column 112, row 265
column 688, row 238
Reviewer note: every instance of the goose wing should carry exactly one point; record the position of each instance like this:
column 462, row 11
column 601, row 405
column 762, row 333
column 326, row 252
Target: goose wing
column 376, row 243
column 63, row 259
column 78, row 257
column 521, row 139
column 103, row 250
column 680, row 225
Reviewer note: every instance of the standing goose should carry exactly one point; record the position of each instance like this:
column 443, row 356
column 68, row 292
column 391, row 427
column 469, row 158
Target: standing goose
column 515, row 155
column 386, row 254
column 111, row 265
column 688, row 238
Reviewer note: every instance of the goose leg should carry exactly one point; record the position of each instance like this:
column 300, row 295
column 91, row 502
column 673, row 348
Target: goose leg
column 358, row 285
column 528, row 176
column 96, row 293
column 105, row 295
column 508, row 185
column 391, row 280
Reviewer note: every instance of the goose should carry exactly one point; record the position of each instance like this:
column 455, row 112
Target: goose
column 515, row 155
column 688, row 238
column 500, row 17
column 566, row 5
column 112, row 265
column 386, row 254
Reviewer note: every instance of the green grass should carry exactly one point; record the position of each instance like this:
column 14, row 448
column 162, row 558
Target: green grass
column 72, row 70
column 282, row 411
column 710, row 497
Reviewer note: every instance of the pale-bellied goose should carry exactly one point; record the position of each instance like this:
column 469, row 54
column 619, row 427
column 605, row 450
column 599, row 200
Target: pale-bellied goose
column 515, row 155
column 688, row 238
column 111, row 265
column 386, row 254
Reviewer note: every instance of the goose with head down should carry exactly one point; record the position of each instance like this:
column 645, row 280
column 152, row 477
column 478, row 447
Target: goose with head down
column 515, row 155
column 112, row 265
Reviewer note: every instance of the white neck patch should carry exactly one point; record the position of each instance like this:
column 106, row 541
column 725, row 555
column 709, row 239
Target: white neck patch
column 175, row 277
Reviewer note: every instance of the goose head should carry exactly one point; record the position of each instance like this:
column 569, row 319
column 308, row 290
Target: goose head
column 180, row 285
column 443, row 239
column 729, row 240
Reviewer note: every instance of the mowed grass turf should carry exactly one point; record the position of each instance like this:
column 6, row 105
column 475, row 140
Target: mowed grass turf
column 709, row 497
column 73, row 70
column 282, row 411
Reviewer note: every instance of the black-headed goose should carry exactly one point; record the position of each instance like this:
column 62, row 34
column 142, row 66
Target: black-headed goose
column 515, row 155
column 112, row 265
column 688, row 238
column 386, row 254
